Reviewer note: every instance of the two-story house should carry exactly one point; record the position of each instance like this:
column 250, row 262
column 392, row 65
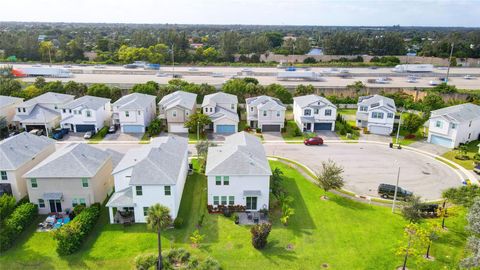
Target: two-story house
column 86, row 113
column 376, row 113
column 314, row 113
column 451, row 126
column 75, row 174
column 238, row 173
column 222, row 110
column 134, row 112
column 176, row 108
column 19, row 154
column 154, row 173
column 266, row 113
column 42, row 112
column 8, row 106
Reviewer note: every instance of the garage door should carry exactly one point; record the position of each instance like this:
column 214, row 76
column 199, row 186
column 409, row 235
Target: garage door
column 225, row 129
column 266, row 128
column 177, row 128
column 322, row 126
column 84, row 128
column 380, row 130
column 30, row 127
column 133, row 129
column 441, row 141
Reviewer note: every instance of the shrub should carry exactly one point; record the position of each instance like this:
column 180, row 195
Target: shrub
column 296, row 132
column 16, row 223
column 103, row 132
column 284, row 130
column 258, row 130
column 235, row 218
column 209, row 264
column 410, row 136
column 200, row 220
column 178, row 223
column 7, row 206
column 145, row 261
column 260, row 234
column 78, row 209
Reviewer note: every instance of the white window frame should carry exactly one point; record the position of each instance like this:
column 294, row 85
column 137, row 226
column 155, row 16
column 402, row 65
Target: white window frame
column 329, row 112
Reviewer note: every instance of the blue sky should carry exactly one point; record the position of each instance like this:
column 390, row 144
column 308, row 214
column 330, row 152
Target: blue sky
column 279, row 12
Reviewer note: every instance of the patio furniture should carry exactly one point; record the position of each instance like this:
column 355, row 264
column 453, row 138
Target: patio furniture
column 249, row 215
column 256, row 217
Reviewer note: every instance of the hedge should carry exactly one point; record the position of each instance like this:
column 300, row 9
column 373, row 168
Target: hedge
column 14, row 225
column 70, row 236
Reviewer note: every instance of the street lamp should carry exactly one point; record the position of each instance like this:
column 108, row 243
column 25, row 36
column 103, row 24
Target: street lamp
column 198, row 129
column 398, row 129
column 396, row 190
column 449, row 64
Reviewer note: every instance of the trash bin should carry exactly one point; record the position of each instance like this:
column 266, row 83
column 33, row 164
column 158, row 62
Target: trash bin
column 391, row 145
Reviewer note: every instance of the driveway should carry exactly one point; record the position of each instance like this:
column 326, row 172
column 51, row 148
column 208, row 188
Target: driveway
column 272, row 136
column 430, row 147
column 375, row 137
column 74, row 137
column 328, row 135
column 119, row 136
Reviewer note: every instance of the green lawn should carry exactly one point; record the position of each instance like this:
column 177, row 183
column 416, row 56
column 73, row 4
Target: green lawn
column 99, row 135
column 192, row 137
column 469, row 164
column 339, row 232
column 347, row 111
column 288, row 135
column 403, row 141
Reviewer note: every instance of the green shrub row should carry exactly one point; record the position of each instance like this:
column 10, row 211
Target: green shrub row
column 16, row 223
column 70, row 236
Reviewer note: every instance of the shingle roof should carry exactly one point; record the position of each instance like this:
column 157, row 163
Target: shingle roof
column 134, row 101
column 17, row 150
column 87, row 102
column 304, row 101
column 219, row 97
column 459, row 113
column 266, row 103
column 381, row 100
column 221, row 112
column 48, row 98
column 72, row 161
column 242, row 154
column 121, row 198
column 158, row 163
column 179, row 98
column 6, row 101
column 39, row 115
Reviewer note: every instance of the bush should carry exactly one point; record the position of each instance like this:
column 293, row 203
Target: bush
column 260, row 234
column 258, row 130
column 296, row 132
column 16, row 223
column 78, row 209
column 145, row 261
column 309, row 60
column 71, row 235
column 7, row 206
column 103, row 132
column 178, row 223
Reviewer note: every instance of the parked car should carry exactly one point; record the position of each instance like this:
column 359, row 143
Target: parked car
column 477, row 169
column 89, row 134
column 112, row 129
column 468, row 77
column 388, row 191
column 37, row 132
column 59, row 133
column 313, row 141
column 433, row 83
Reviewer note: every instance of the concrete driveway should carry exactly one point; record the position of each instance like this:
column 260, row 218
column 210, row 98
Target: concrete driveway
column 367, row 165
column 127, row 137
column 272, row 136
column 74, row 137
column 328, row 135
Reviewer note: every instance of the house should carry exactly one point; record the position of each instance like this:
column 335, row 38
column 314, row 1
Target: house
column 8, row 106
column 86, row 113
column 154, row 173
column 176, row 108
column 376, row 113
column 222, row 110
column 134, row 112
column 42, row 112
column 75, row 174
column 19, row 154
column 266, row 113
column 238, row 173
column 451, row 126
column 314, row 113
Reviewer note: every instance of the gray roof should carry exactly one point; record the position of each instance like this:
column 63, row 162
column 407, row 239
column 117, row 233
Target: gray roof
column 6, row 101
column 242, row 154
column 39, row 115
column 134, row 101
column 158, row 163
column 377, row 100
column 304, row 101
column 87, row 102
column 221, row 112
column 459, row 113
column 48, row 98
column 72, row 161
column 183, row 99
column 266, row 103
column 121, row 198
column 17, row 150
column 219, row 97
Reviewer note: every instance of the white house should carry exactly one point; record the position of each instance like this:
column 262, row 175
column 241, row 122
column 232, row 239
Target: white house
column 314, row 113
column 19, row 154
column 238, row 173
column 266, row 113
column 454, row 125
column 86, row 113
column 222, row 110
column 376, row 113
column 134, row 112
column 42, row 112
column 7, row 107
column 176, row 108
column 154, row 173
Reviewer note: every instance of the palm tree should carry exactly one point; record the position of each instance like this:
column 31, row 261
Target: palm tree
column 159, row 218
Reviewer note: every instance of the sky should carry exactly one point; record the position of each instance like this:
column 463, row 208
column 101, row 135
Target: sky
column 263, row 12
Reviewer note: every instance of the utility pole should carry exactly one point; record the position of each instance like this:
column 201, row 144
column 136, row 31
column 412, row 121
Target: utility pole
column 449, row 64
column 398, row 129
column 396, row 189
column 198, row 131
column 173, row 60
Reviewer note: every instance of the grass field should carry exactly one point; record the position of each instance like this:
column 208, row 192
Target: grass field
column 469, row 164
column 348, row 112
column 339, row 232
column 288, row 134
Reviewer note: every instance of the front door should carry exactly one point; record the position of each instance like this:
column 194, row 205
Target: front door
column 55, row 206
column 251, row 203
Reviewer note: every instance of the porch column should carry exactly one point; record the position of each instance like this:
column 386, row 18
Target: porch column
column 110, row 214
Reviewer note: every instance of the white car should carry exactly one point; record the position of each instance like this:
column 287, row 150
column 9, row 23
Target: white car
column 218, row 75
column 468, row 77
column 433, row 83
column 412, row 80
column 193, row 69
column 160, row 74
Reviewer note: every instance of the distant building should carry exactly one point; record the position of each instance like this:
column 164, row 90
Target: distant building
column 41, row 38
column 315, row 51
column 7, row 107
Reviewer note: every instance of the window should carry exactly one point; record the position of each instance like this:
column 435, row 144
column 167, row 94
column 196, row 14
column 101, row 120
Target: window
column 224, row 200
column 34, row 183
column 127, row 114
column 469, row 135
column 218, row 180
column 41, row 203
column 251, row 109
column 74, row 112
column 89, row 114
column 3, row 175
column 145, row 211
column 138, row 190
column 454, row 126
column 64, row 111
column 278, row 114
column 19, row 110
column 363, row 108
column 470, row 124
column 168, row 191
column 315, row 111
column 139, row 112
column 187, row 113
column 438, row 124
column 215, row 200
column 74, row 202
column 389, row 115
column 264, row 113
column 24, row 110
column 377, row 115
column 206, row 109
column 82, row 202
column 231, row 200
column 232, row 106
column 84, row 182
column 70, row 111
column 211, row 109
column 226, row 180
column 307, row 112
column 174, row 113
column 328, row 112
column 56, row 107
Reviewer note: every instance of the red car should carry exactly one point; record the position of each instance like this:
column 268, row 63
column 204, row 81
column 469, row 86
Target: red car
column 313, row 141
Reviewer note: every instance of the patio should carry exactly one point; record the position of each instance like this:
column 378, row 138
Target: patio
column 252, row 218
column 53, row 222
